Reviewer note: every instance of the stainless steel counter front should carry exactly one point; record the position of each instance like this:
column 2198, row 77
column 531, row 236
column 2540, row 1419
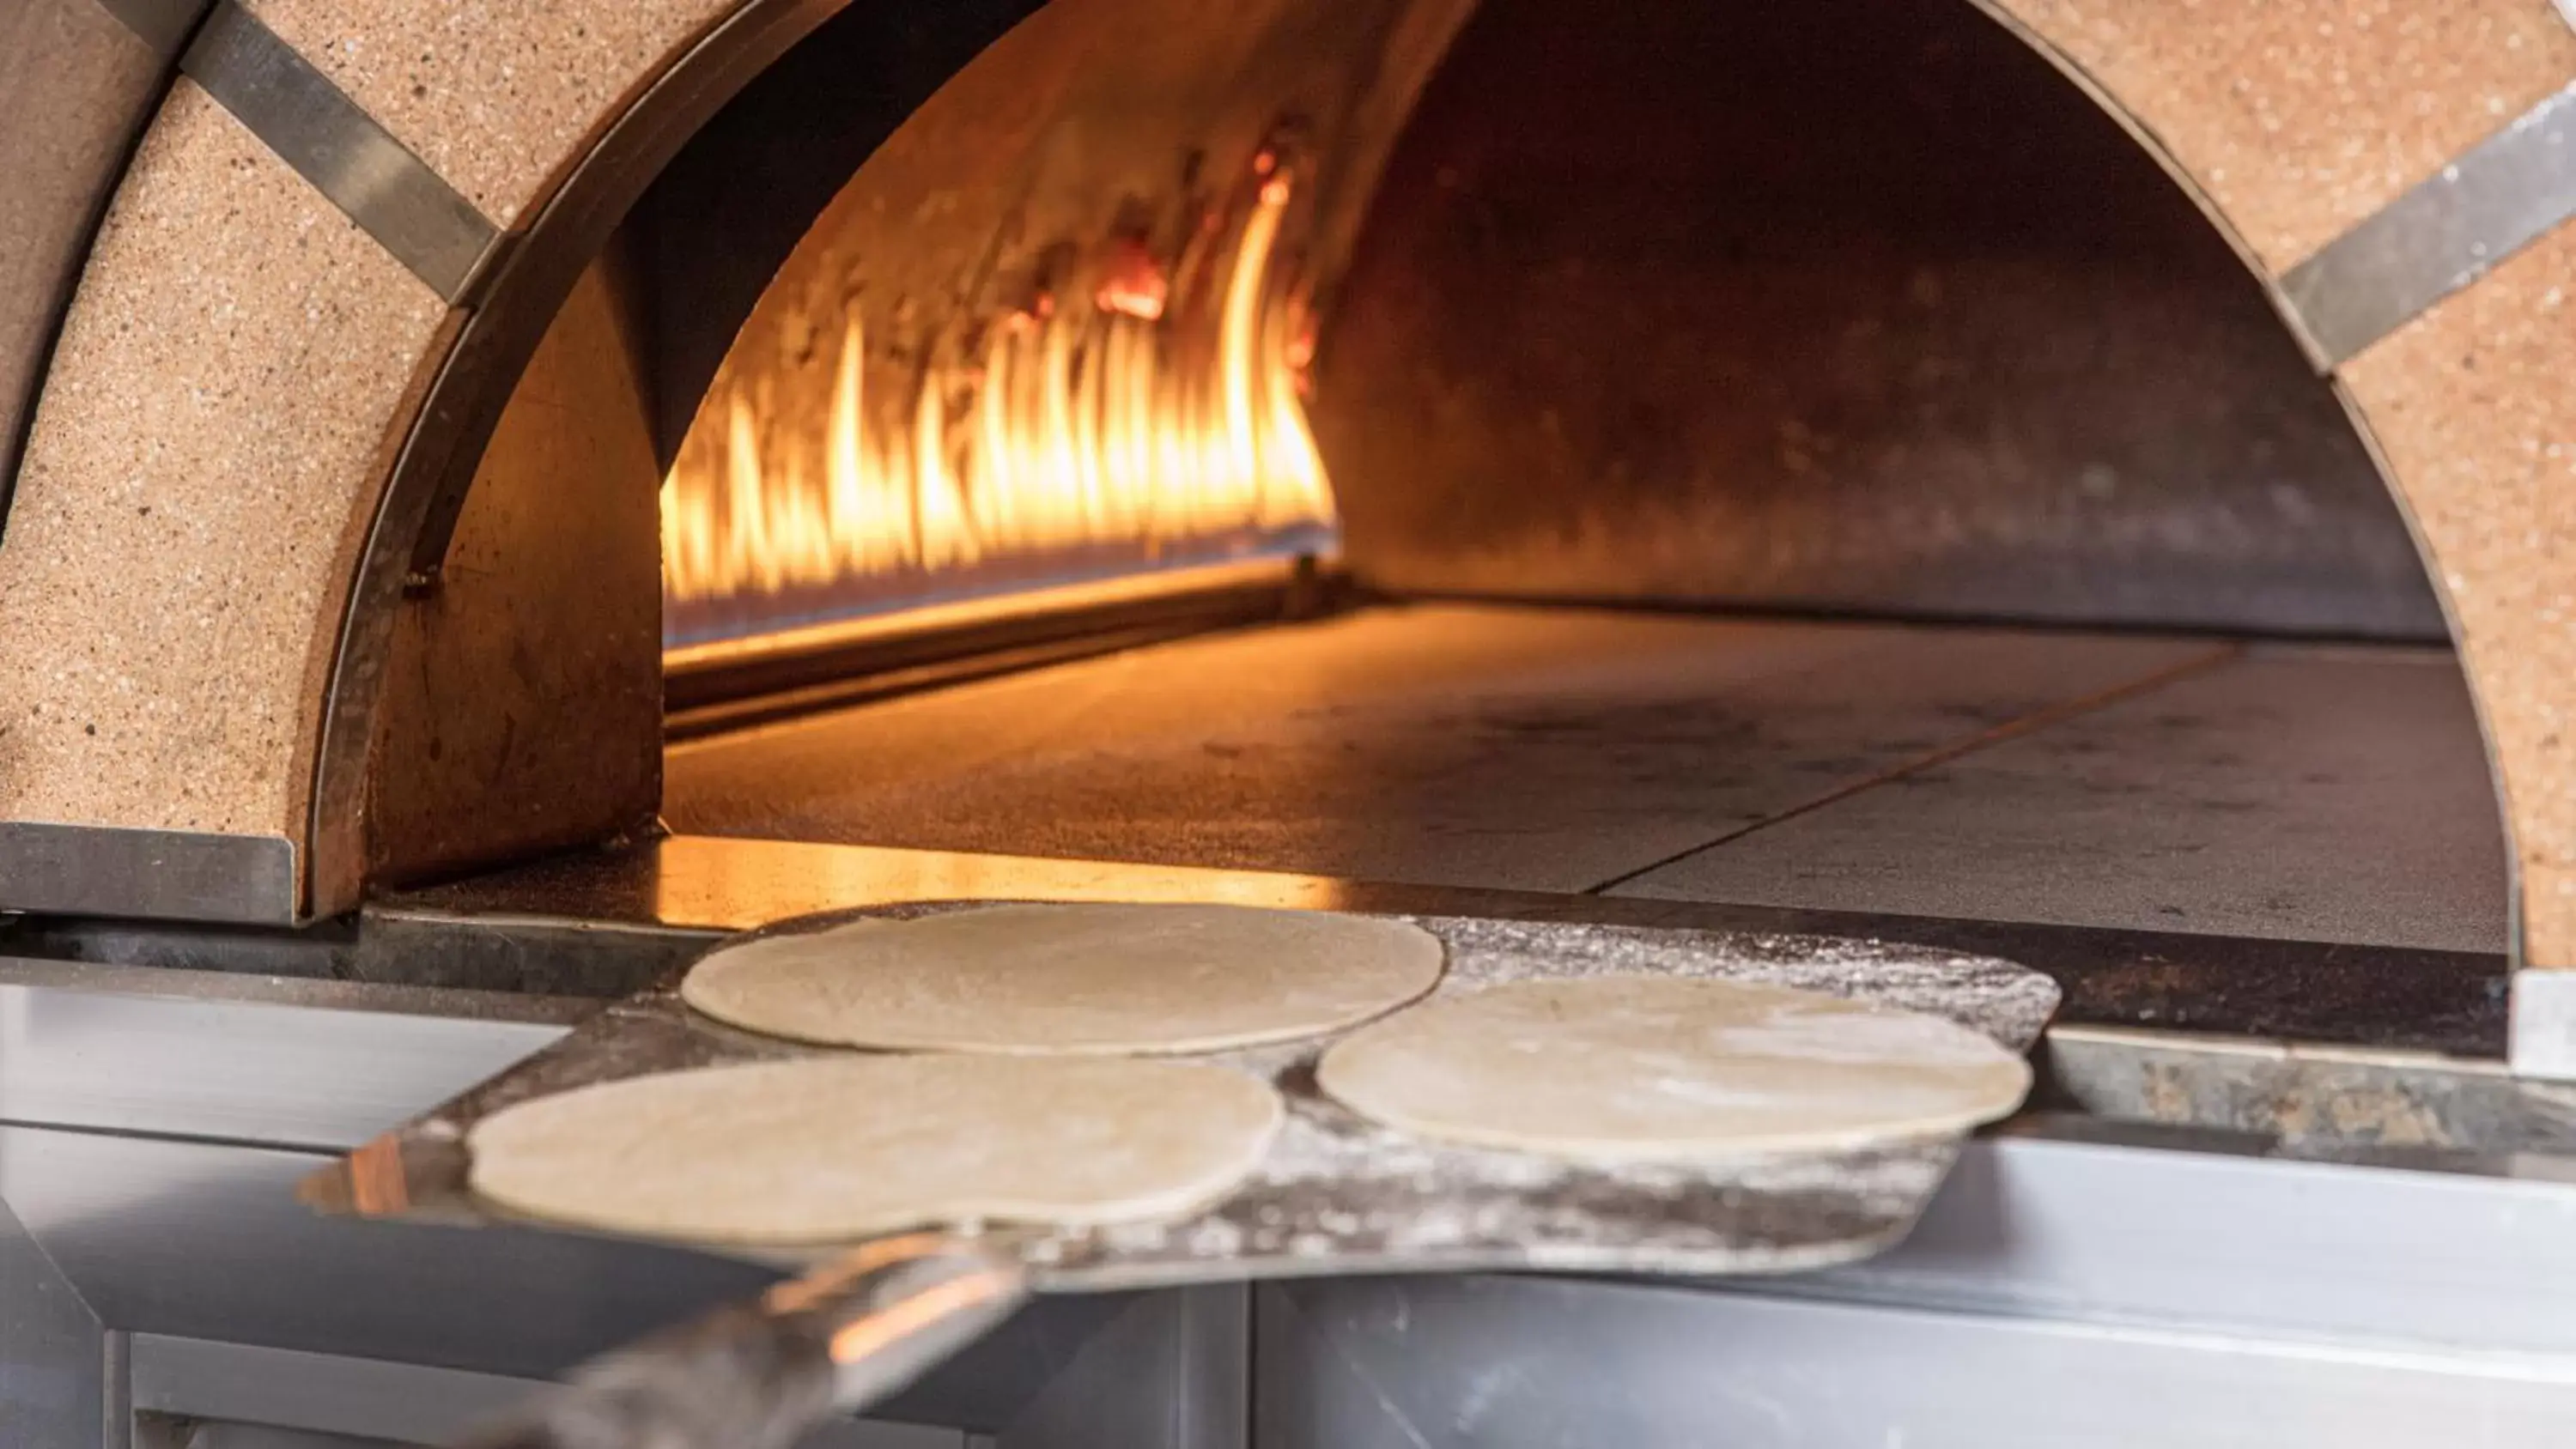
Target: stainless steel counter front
column 2120, row 1283
column 152, row 1237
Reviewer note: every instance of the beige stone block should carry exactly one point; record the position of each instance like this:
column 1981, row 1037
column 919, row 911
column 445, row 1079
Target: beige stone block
column 187, row 515
column 494, row 94
column 2474, row 404
column 2302, row 117
column 74, row 83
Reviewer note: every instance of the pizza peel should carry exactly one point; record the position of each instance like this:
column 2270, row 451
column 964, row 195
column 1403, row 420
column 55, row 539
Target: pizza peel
column 1334, row 1195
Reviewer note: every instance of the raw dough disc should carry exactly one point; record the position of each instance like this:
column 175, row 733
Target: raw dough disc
column 1617, row 1068
column 824, row 1150
column 1070, row 979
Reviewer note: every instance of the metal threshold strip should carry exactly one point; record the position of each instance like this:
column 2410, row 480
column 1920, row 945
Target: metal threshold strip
column 552, row 927
column 738, row 683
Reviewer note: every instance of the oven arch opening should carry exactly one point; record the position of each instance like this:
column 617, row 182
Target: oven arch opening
column 1875, row 362
column 1841, row 367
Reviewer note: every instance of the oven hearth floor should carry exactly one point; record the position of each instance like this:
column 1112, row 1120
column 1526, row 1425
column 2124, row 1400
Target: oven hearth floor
column 2319, row 793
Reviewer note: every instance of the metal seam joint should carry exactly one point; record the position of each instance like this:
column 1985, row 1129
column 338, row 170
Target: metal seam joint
column 164, row 25
column 2451, row 229
column 314, row 127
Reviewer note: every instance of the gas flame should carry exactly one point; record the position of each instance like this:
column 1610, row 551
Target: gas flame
column 1065, row 427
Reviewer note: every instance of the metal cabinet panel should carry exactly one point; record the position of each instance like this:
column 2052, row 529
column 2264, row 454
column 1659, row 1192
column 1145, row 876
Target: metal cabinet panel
column 51, row 1350
column 1532, row 1364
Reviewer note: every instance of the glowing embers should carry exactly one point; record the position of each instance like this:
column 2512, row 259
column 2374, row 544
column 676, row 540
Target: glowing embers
column 1155, row 420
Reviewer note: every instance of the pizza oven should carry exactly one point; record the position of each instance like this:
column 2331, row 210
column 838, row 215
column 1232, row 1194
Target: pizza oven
column 498, row 496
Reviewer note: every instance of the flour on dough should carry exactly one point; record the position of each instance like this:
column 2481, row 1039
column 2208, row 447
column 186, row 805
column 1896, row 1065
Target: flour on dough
column 825, row 1150
column 1613, row 1068
column 1078, row 978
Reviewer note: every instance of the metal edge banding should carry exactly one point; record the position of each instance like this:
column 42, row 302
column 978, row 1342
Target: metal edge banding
column 322, row 1393
column 164, row 25
column 183, row 875
column 2445, row 233
column 2543, row 1024
column 315, row 128
column 116, row 1389
column 298, row 1078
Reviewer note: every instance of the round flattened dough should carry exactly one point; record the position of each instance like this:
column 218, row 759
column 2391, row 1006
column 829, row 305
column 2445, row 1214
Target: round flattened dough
column 1070, row 979
column 1610, row 1068
column 825, row 1150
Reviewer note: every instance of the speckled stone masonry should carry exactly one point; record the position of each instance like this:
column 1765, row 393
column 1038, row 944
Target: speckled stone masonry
column 2475, row 405
column 2301, row 117
column 495, row 95
column 184, row 520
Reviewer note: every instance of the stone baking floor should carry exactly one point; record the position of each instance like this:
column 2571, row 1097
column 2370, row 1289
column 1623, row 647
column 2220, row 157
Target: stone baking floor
column 2323, row 793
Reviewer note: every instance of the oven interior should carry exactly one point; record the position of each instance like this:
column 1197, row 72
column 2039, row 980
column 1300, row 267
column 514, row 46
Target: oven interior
column 1810, row 461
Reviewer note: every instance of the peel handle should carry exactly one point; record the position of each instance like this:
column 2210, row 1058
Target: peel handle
column 761, row 1375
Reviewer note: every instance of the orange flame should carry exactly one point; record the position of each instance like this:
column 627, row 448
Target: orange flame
column 1077, row 427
